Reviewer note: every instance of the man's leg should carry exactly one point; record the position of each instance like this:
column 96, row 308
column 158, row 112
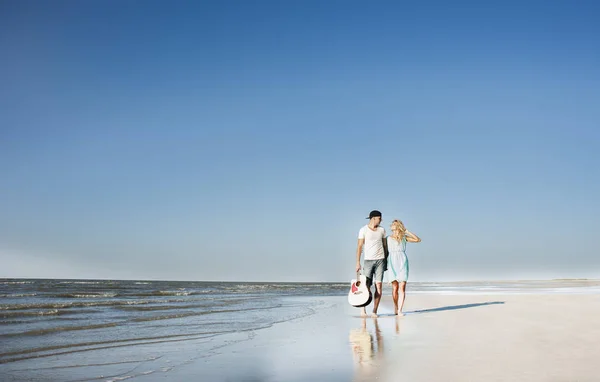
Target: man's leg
column 369, row 272
column 378, row 268
column 377, row 298
column 363, row 312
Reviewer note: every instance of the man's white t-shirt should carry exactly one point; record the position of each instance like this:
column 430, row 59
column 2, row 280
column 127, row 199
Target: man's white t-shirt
column 373, row 248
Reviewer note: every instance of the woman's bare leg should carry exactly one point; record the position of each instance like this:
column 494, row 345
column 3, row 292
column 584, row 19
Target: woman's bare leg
column 395, row 295
column 403, row 296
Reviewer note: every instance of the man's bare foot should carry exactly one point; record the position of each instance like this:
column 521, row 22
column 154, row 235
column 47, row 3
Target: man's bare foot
column 400, row 313
column 374, row 315
column 363, row 313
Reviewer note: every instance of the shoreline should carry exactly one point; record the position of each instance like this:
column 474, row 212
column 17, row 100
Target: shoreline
column 488, row 337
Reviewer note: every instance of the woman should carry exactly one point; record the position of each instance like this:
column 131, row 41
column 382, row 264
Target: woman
column 397, row 271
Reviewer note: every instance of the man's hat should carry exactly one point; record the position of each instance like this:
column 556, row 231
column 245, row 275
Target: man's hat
column 374, row 214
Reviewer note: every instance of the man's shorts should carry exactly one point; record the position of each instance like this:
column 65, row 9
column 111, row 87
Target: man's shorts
column 373, row 270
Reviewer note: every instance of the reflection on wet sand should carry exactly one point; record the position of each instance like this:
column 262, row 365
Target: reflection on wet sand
column 368, row 350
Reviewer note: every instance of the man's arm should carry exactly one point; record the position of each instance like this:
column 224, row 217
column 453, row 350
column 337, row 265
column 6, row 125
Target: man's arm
column 359, row 248
column 385, row 248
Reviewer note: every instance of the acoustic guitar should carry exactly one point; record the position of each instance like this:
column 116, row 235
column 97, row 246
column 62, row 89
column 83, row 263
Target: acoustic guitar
column 359, row 295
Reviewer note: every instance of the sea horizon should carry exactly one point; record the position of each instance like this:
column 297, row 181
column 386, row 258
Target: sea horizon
column 303, row 282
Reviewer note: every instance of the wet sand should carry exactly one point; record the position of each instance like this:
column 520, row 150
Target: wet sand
column 450, row 338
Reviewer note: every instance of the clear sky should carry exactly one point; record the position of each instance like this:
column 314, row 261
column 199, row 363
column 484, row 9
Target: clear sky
column 248, row 140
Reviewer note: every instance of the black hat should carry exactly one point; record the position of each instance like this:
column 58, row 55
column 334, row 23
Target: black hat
column 374, row 214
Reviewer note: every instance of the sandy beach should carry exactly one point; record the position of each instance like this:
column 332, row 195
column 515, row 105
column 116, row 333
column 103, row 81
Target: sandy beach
column 470, row 337
column 450, row 338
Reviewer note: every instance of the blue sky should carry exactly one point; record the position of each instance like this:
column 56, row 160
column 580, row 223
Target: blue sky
column 248, row 140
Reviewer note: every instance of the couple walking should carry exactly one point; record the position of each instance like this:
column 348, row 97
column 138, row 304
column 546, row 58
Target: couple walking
column 384, row 253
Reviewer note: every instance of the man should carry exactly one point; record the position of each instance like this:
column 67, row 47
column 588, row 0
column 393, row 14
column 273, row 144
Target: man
column 371, row 238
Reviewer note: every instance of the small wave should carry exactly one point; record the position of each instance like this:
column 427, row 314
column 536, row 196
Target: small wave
column 88, row 295
column 38, row 332
column 66, row 305
column 172, row 307
column 157, row 293
column 13, row 314
column 174, row 293
column 16, row 282
column 82, row 282
column 196, row 313
column 17, row 295
column 72, row 314
column 167, row 293
column 141, row 283
column 172, row 316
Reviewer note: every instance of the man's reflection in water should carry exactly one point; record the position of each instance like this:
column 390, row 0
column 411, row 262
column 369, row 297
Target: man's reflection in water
column 362, row 345
column 368, row 349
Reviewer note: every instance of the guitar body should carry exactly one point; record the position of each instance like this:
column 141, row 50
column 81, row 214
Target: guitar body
column 359, row 295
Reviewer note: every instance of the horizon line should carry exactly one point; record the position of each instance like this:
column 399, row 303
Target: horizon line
column 297, row 282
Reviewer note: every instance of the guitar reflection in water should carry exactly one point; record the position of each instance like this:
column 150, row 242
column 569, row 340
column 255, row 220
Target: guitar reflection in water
column 366, row 352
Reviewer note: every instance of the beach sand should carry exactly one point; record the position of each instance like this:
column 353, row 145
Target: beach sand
column 449, row 338
column 528, row 337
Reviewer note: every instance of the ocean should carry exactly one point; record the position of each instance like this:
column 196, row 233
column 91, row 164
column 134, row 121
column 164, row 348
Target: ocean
column 82, row 320
column 41, row 318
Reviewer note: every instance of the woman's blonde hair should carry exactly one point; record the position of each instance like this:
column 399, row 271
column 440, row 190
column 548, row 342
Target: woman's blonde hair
column 397, row 225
